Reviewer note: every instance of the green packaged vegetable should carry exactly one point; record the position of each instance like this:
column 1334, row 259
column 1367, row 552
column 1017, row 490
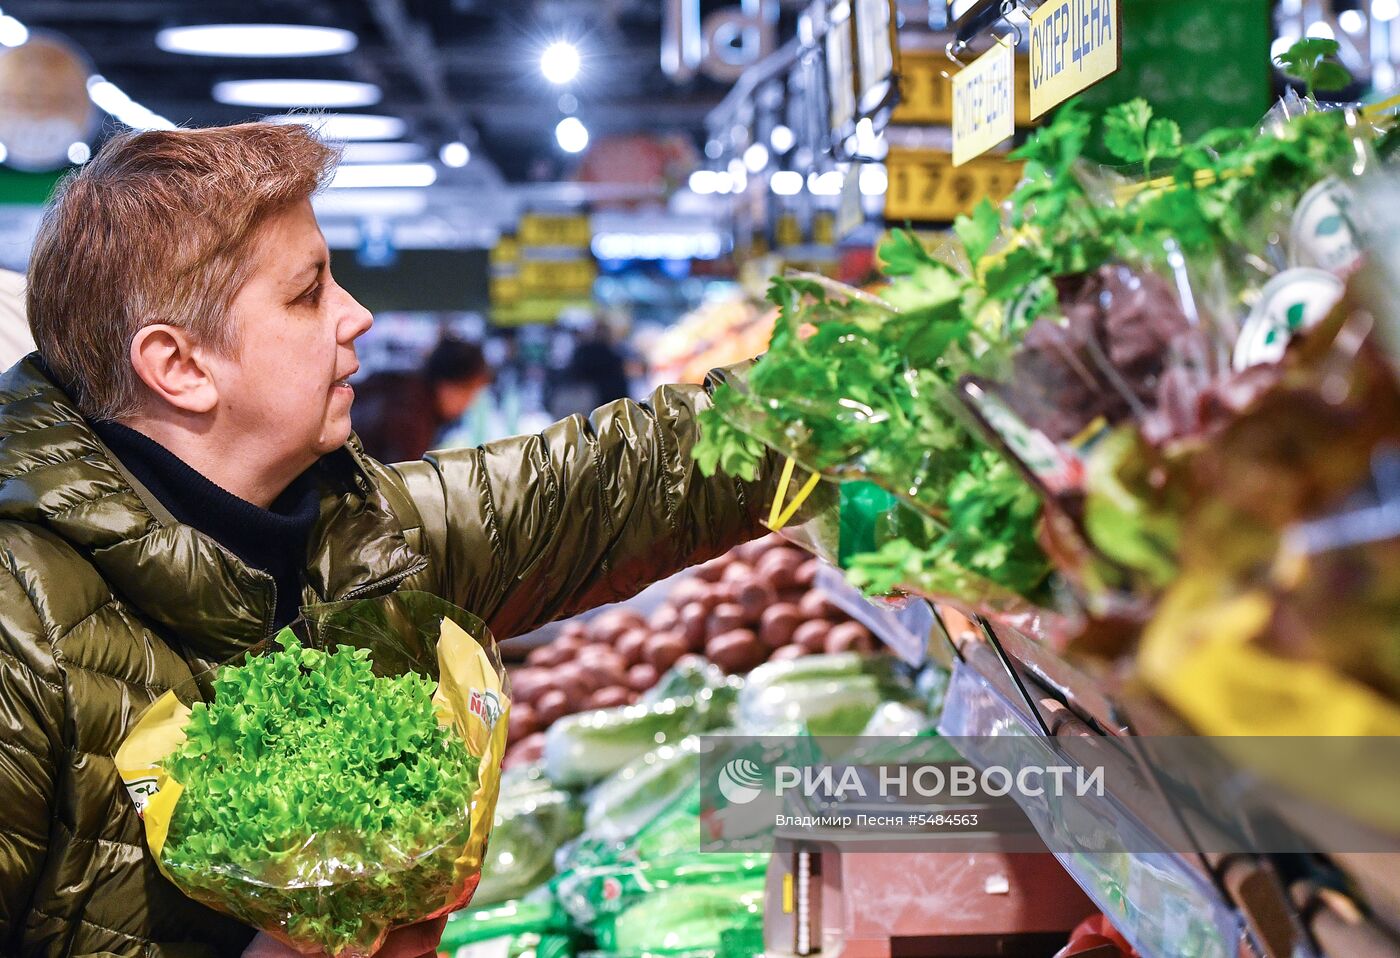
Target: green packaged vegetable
column 330, row 789
column 533, row 818
column 583, row 748
column 825, row 694
column 633, row 796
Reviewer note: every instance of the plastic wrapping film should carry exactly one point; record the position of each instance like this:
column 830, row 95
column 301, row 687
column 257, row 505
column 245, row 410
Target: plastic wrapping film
column 332, row 888
column 1161, row 904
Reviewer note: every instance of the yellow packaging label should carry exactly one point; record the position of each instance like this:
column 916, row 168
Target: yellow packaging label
column 1074, row 44
column 984, row 103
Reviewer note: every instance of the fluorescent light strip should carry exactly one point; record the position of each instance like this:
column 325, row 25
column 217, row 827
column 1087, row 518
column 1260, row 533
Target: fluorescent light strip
column 383, row 153
column 111, row 99
column 256, row 40
column 346, row 126
column 362, row 176
column 292, row 93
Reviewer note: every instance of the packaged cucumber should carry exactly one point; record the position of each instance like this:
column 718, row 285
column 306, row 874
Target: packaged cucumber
column 587, row 747
column 620, row 805
column 533, row 817
column 825, row 694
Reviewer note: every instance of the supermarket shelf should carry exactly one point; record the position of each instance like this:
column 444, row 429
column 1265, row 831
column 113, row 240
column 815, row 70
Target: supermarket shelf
column 1160, row 900
column 1009, row 683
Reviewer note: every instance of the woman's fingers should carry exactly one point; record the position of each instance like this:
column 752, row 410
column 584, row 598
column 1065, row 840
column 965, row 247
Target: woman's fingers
column 414, row 941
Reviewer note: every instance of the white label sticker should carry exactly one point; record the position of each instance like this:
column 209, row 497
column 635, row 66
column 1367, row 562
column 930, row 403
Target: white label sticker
column 1292, row 302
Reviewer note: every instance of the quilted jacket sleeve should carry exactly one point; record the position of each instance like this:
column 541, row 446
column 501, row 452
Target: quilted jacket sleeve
column 31, row 709
column 589, row 511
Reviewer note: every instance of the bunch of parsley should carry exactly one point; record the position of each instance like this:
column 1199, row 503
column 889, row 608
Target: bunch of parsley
column 319, row 798
column 867, row 394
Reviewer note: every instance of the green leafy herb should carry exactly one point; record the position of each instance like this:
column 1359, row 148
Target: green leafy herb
column 320, row 797
column 1134, row 136
column 723, row 448
column 1312, row 61
column 979, row 230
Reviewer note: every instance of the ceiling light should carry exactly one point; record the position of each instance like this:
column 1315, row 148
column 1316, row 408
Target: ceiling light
column 572, row 135
column 560, row 62
column 1352, row 21
column 382, row 153
column 568, row 103
column 346, row 126
column 782, row 139
column 79, row 153
column 825, row 184
column 256, row 40
column 1385, row 10
column 111, row 99
column 756, row 157
column 786, row 182
column 12, row 32
column 454, row 154
column 714, row 149
column 328, row 93
column 4, row 152
column 355, row 176
column 1321, row 29
column 873, row 179
column 703, row 183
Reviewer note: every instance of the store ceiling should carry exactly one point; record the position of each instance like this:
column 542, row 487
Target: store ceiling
column 453, row 69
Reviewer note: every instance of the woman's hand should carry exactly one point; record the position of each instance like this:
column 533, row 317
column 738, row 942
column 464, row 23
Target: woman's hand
column 411, row 941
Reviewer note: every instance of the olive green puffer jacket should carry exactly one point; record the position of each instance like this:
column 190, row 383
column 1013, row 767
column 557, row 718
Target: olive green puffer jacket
column 106, row 602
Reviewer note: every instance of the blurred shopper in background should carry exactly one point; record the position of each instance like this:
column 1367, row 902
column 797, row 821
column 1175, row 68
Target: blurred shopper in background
column 15, row 339
column 401, row 415
column 595, row 374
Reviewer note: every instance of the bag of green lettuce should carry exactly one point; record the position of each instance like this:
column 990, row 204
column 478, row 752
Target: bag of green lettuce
column 329, row 788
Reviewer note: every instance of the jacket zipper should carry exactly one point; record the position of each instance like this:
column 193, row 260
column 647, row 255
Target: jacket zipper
column 387, row 582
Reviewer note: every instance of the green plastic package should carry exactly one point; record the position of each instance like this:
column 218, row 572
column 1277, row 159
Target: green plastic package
column 533, row 818
column 823, row 694
column 514, row 929
column 584, row 748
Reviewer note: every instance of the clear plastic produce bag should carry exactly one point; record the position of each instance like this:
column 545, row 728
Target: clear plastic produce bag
column 329, row 787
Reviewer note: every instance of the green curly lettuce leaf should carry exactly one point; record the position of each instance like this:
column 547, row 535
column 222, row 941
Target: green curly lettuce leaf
column 320, row 798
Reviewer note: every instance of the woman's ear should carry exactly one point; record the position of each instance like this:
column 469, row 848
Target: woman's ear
column 173, row 368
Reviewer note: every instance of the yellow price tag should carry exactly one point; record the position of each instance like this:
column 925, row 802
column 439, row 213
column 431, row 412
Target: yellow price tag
column 505, row 289
column 541, row 229
column 506, row 250
column 1074, row 44
column 926, row 95
column 568, row 276
column 788, row 232
column 924, row 186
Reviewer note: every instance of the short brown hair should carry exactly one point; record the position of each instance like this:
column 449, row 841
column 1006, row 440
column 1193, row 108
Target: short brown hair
column 158, row 228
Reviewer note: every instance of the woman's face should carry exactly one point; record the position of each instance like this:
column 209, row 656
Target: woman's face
column 285, row 390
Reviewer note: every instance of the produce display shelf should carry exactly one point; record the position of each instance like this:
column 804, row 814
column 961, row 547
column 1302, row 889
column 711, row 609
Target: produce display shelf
column 1008, row 683
column 1162, row 901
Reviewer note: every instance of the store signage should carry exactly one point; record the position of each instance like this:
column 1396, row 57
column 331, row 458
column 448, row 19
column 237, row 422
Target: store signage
column 840, row 72
column 926, row 92
column 984, row 103
column 546, row 229
column 788, row 230
column 925, row 187
column 1074, row 44
column 557, row 276
column 876, row 52
column 720, row 45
